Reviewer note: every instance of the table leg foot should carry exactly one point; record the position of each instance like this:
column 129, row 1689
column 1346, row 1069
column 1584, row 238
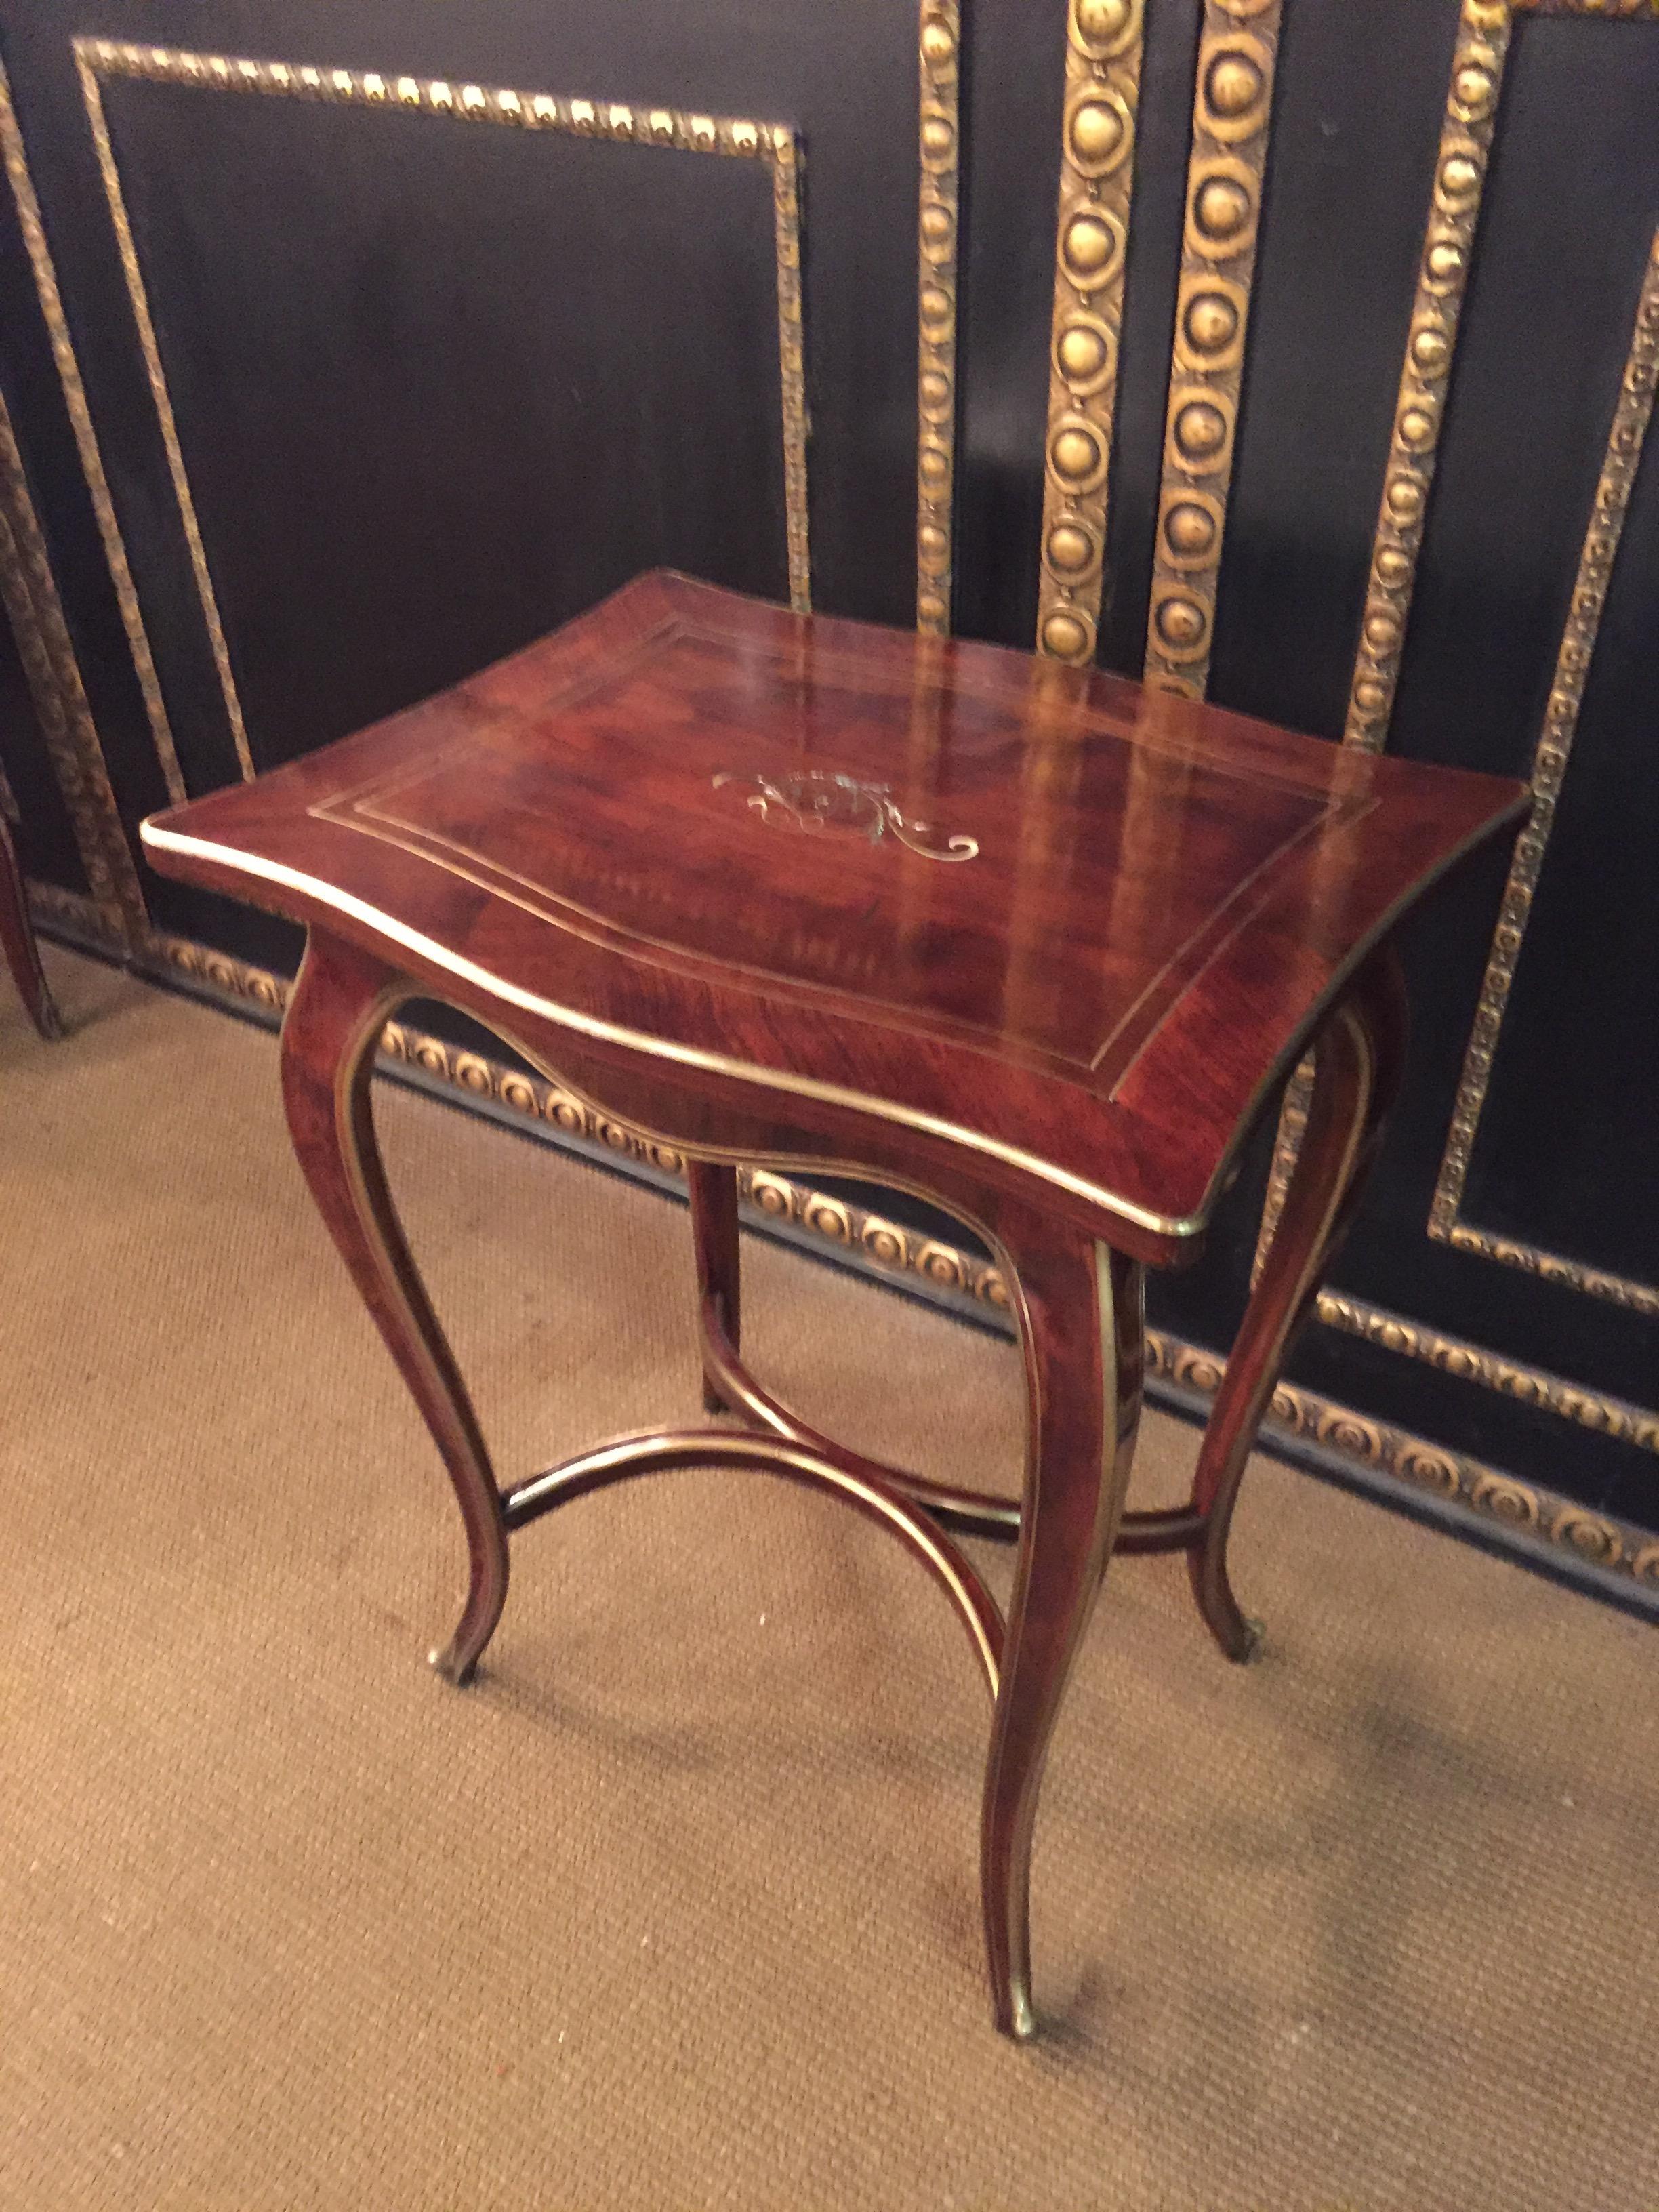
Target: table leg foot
column 1078, row 1307
column 1240, row 1637
column 335, row 1015
column 447, row 1661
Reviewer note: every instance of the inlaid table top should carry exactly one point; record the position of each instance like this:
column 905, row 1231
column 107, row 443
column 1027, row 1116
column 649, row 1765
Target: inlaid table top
column 1076, row 925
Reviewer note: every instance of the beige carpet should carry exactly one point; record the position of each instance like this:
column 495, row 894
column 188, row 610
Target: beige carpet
column 675, row 1908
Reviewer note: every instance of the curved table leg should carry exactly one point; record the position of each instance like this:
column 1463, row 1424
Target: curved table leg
column 1079, row 1306
column 333, row 1024
column 1358, row 1058
column 17, row 943
column 714, row 1194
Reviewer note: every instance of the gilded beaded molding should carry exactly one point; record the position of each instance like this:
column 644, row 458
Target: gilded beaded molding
column 29, row 591
column 1481, row 1492
column 1632, row 414
column 86, row 443
column 771, row 143
column 1470, row 1363
column 939, row 54
column 1097, row 176
column 1232, row 113
column 1460, row 175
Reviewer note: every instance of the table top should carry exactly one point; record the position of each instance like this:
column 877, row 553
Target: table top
column 1046, row 907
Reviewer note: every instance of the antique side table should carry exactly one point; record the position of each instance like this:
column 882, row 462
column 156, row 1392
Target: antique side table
column 1029, row 941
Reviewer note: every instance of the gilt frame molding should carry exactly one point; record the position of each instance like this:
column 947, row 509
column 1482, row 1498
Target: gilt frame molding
column 1473, row 102
column 28, row 591
column 1232, row 125
column 1626, row 437
column 772, row 144
column 1104, row 43
column 28, row 204
column 937, row 223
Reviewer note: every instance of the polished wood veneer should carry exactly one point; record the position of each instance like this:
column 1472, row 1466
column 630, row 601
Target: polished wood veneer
column 1160, row 896
column 1032, row 941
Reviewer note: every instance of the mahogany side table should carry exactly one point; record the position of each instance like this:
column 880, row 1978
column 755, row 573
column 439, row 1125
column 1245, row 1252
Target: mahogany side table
column 1029, row 941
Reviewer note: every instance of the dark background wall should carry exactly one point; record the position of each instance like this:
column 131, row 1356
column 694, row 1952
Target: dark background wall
column 435, row 384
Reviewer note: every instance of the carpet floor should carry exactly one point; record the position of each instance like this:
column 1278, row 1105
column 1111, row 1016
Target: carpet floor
column 675, row 1906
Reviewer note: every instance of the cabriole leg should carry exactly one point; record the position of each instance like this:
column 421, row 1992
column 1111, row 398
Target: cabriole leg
column 1079, row 1310
column 1358, row 1058
column 333, row 1024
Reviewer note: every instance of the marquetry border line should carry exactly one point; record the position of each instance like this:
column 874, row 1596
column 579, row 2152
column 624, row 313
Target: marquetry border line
column 771, row 143
column 1091, row 239
column 1631, row 417
column 29, row 593
column 86, row 443
column 1404, row 1465
column 938, row 220
column 1232, row 116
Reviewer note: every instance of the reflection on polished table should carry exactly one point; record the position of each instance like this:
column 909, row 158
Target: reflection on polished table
column 1031, row 942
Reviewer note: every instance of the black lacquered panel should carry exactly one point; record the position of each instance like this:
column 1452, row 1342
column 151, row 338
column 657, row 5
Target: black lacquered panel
column 438, row 386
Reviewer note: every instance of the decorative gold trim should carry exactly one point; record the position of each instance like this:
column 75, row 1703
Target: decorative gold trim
column 86, row 442
column 83, row 918
column 30, row 595
column 1555, row 1268
column 110, row 56
column 1460, row 175
column 772, row 143
column 1632, row 415
column 1418, row 1463
column 1470, row 1363
column 1606, row 11
column 429, row 951
column 785, row 166
column 1091, row 237
column 939, row 126
column 1232, row 118
column 1478, row 1493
